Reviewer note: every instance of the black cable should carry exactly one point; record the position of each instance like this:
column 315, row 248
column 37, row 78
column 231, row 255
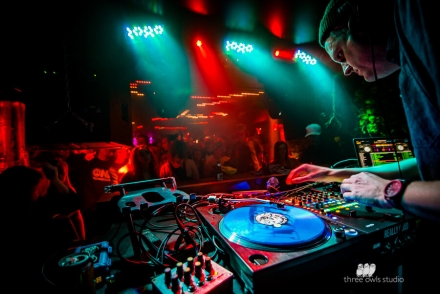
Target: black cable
column 44, row 266
column 373, row 60
column 116, row 233
column 153, row 259
column 390, row 135
column 161, row 248
column 185, row 229
column 342, row 161
column 159, row 210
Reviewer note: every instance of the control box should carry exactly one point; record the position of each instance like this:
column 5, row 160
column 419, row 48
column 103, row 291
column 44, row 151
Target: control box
column 199, row 274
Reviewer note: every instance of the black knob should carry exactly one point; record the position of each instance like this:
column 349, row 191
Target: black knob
column 190, row 263
column 340, row 233
column 208, row 264
column 175, row 283
column 167, row 273
column 201, row 258
column 179, row 269
column 198, row 270
column 143, row 206
column 187, row 276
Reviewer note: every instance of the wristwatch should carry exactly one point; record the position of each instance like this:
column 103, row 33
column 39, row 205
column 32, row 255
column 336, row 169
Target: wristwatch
column 394, row 192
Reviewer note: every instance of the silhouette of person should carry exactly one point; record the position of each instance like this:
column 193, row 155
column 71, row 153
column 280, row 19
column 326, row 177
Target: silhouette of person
column 141, row 165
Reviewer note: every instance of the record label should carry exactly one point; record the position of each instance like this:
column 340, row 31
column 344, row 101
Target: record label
column 271, row 219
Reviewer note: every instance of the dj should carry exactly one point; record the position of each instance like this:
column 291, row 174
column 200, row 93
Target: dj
column 374, row 39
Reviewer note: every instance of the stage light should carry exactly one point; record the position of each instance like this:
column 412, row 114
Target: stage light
column 289, row 54
column 307, row 59
column 199, row 43
column 238, row 47
column 145, row 32
column 284, row 54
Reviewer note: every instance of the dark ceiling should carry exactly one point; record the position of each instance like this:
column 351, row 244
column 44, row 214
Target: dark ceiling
column 77, row 39
column 40, row 36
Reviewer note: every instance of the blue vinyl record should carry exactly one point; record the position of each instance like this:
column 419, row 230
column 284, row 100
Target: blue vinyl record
column 271, row 226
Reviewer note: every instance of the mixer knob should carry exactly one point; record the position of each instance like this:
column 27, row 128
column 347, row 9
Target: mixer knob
column 190, row 263
column 201, row 259
column 179, row 269
column 353, row 213
column 199, row 272
column 340, row 233
column 208, row 264
column 167, row 273
column 187, row 278
column 175, row 283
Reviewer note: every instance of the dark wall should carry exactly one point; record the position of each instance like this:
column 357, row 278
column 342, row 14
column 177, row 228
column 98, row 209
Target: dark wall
column 70, row 68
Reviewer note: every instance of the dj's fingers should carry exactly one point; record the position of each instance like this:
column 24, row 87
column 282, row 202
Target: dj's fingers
column 345, row 189
column 296, row 180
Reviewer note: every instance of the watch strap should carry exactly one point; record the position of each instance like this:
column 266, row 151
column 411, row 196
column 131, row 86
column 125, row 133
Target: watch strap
column 396, row 200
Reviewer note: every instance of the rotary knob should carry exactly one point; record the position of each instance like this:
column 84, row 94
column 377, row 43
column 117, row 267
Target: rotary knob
column 339, row 233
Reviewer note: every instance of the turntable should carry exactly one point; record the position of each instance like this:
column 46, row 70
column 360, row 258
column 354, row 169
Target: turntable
column 272, row 228
column 270, row 244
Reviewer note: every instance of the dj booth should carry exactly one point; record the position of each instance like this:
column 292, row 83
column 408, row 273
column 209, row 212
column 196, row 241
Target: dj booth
column 249, row 234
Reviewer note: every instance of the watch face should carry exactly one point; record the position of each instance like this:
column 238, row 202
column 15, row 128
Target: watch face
column 393, row 188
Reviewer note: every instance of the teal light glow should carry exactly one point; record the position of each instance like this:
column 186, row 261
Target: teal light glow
column 307, row 59
column 238, row 47
column 163, row 61
column 145, row 32
column 241, row 16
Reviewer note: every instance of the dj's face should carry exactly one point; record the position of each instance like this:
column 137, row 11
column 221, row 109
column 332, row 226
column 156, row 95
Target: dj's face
column 356, row 57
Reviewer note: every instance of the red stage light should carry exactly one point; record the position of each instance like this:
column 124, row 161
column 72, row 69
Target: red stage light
column 287, row 54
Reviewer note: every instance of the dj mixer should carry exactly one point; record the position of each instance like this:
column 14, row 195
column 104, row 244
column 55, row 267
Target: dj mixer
column 274, row 240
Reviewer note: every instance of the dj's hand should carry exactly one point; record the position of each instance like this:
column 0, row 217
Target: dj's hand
column 309, row 173
column 365, row 188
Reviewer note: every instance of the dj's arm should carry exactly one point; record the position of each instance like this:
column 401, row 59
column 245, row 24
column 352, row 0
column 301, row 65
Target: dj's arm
column 418, row 198
column 423, row 199
column 405, row 169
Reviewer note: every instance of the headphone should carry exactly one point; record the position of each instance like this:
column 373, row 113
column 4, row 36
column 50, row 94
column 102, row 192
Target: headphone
column 355, row 23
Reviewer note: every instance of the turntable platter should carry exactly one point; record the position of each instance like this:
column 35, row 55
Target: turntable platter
column 268, row 227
